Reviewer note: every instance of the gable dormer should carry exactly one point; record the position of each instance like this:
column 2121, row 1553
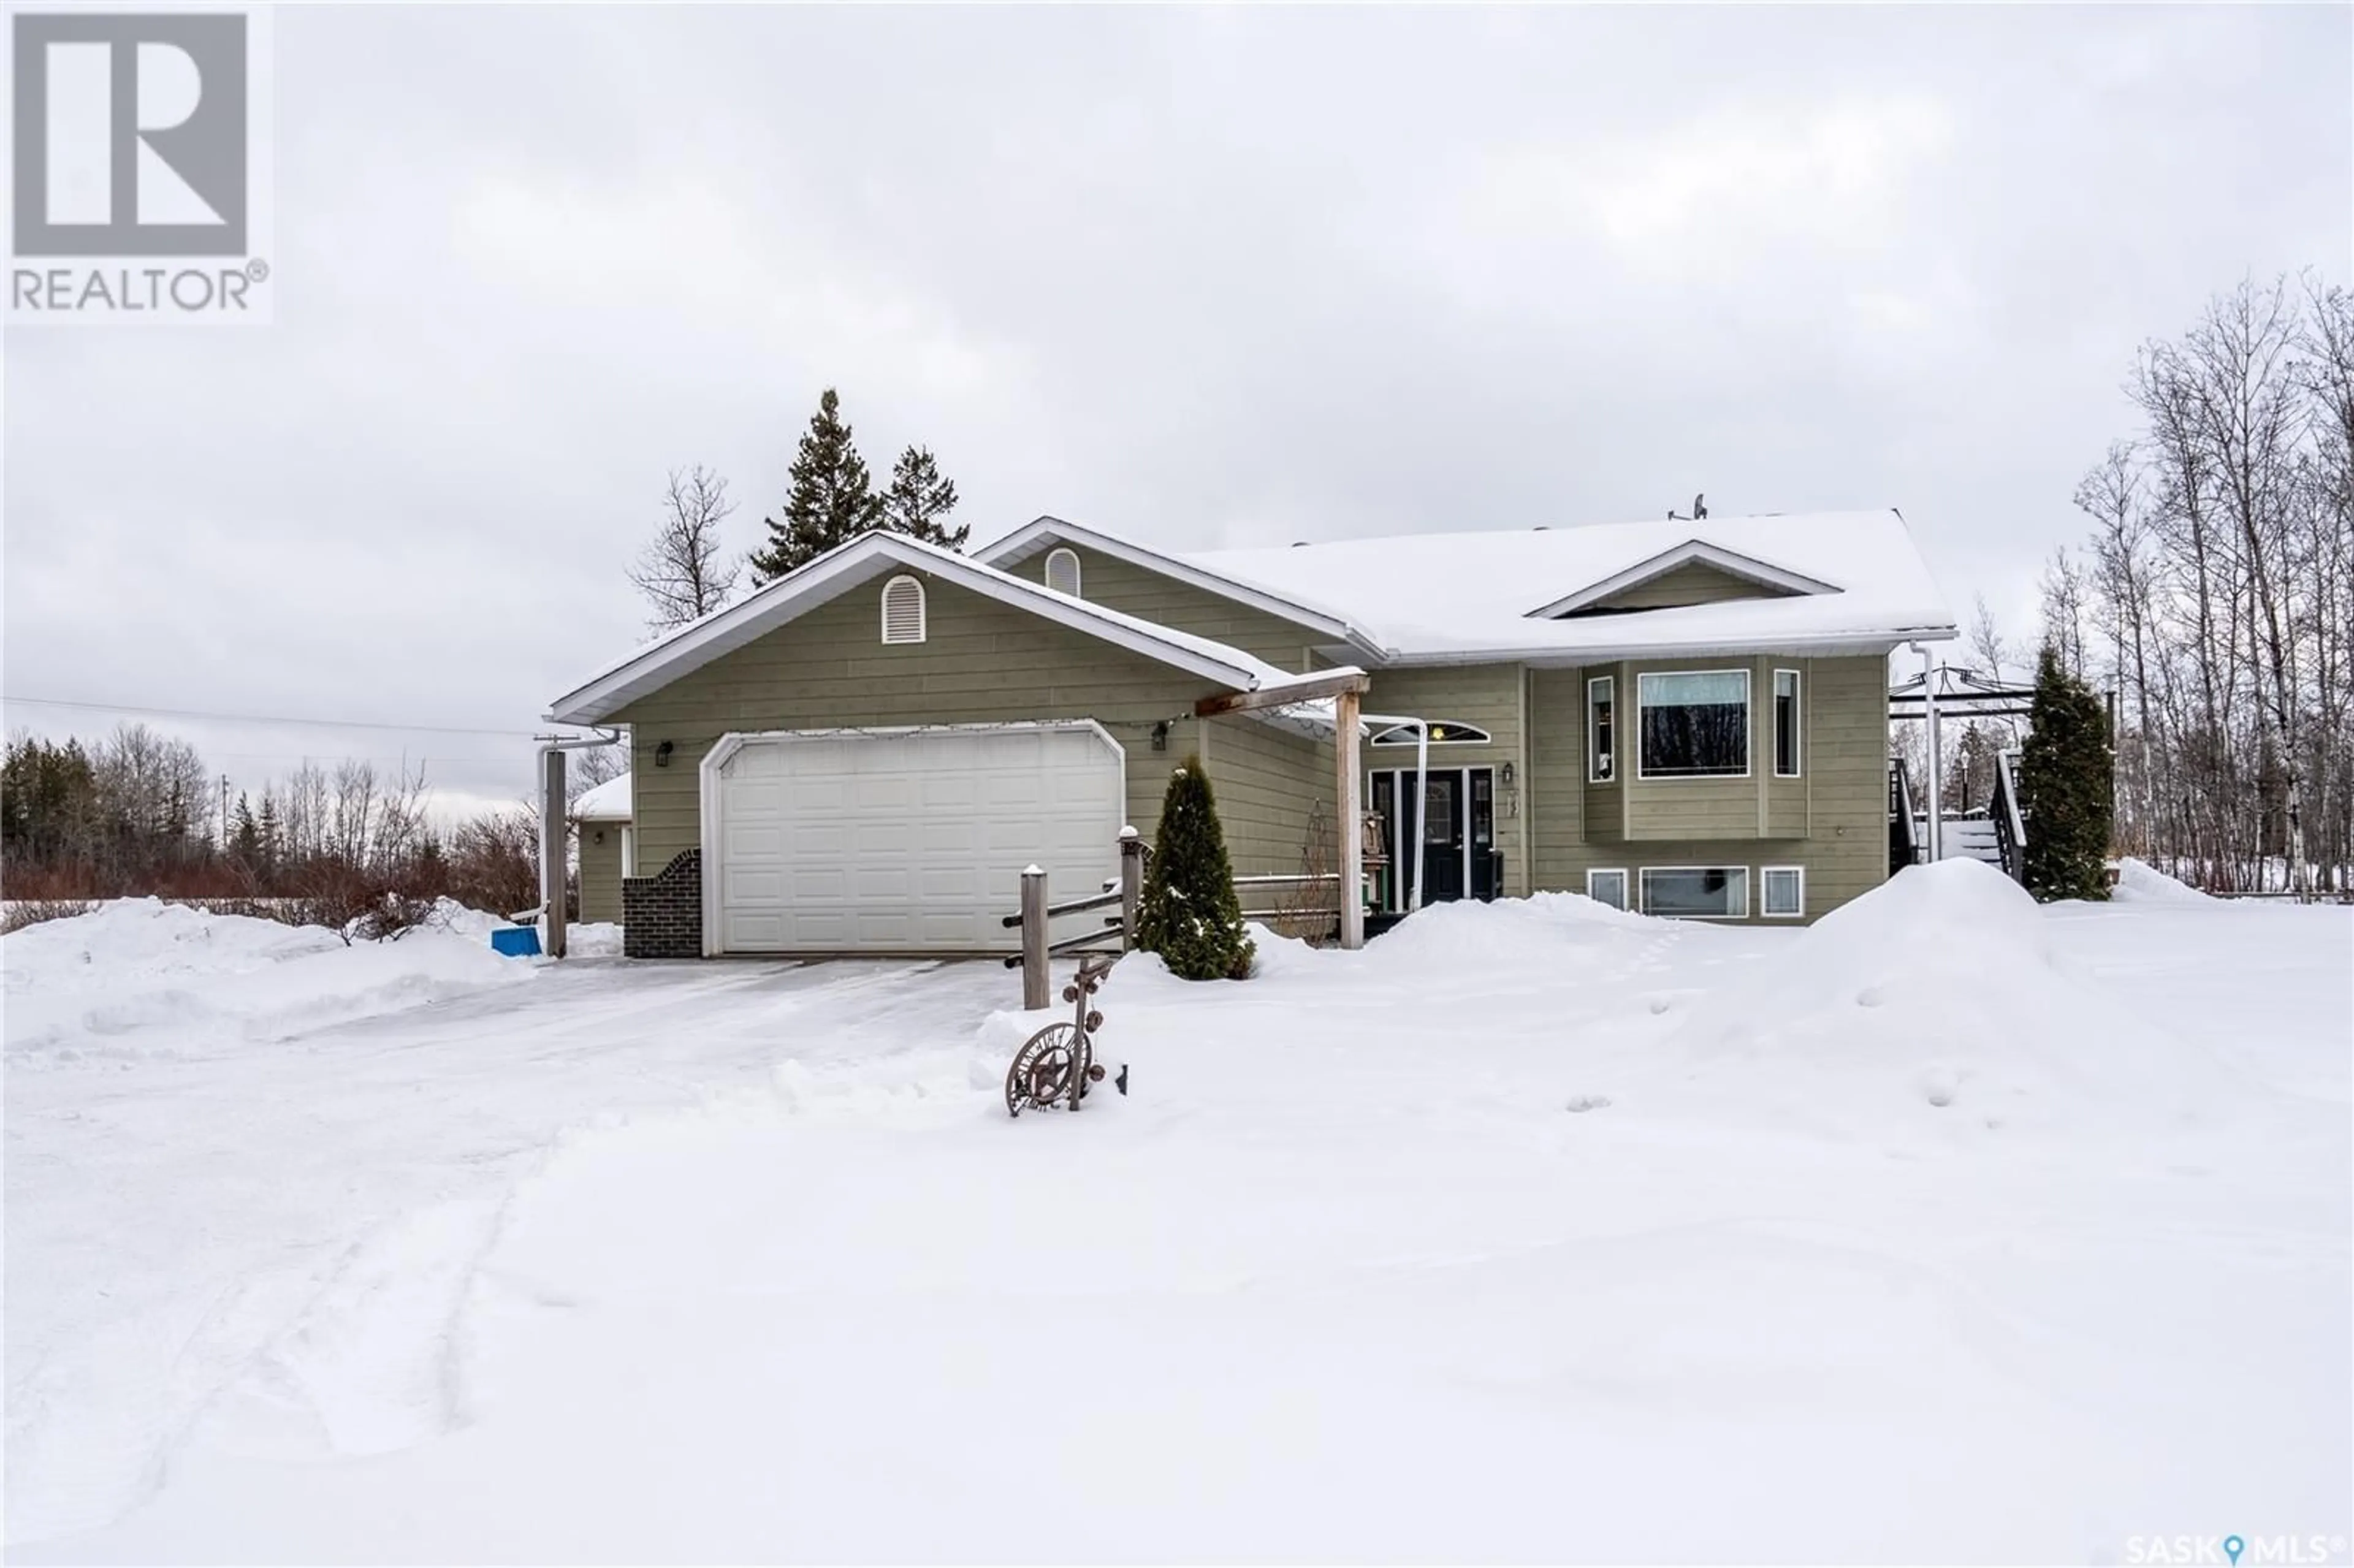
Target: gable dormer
column 1694, row 572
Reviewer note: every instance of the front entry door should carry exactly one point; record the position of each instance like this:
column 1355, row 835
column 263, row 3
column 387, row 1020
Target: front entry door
column 1458, row 825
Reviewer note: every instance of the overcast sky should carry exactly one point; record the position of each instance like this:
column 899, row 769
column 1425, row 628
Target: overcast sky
column 1203, row 277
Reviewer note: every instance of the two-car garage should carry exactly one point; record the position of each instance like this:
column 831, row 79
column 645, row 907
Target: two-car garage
column 901, row 840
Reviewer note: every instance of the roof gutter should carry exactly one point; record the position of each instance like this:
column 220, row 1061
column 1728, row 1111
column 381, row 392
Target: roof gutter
column 1839, row 643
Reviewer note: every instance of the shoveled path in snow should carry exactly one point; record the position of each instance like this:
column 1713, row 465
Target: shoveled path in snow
column 183, row 1224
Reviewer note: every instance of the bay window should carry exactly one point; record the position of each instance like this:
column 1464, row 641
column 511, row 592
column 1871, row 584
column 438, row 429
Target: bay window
column 1693, row 724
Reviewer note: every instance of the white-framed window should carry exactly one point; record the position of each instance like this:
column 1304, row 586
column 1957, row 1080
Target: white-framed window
column 1601, row 731
column 903, row 610
column 1607, row 887
column 1788, row 718
column 1696, row 892
column 1693, row 724
column 1443, row 732
column 1063, row 571
column 1782, row 892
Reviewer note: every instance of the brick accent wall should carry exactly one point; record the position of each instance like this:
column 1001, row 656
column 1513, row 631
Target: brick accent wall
column 662, row 915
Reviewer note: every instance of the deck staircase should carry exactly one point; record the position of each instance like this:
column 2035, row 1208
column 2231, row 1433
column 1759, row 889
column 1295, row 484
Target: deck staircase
column 1994, row 833
column 1971, row 838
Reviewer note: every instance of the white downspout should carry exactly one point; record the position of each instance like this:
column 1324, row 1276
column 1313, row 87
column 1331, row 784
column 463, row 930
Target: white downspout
column 1421, row 804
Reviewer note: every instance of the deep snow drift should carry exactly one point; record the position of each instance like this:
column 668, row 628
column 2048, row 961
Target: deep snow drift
column 1949, row 1227
column 138, row 976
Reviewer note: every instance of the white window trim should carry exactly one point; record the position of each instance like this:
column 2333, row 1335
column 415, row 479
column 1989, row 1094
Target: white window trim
column 1617, row 729
column 1765, row 913
column 923, row 612
column 1645, row 872
column 629, row 850
column 1749, row 733
column 1409, row 733
column 1617, row 871
column 1797, row 721
column 1067, row 553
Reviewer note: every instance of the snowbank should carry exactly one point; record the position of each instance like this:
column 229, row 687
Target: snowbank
column 2139, row 882
column 138, row 977
column 1542, row 928
column 1935, row 996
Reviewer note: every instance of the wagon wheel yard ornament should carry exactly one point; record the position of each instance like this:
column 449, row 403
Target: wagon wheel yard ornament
column 1057, row 1064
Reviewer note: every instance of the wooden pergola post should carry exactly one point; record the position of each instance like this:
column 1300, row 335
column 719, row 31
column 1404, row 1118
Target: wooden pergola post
column 1350, row 790
column 1346, row 687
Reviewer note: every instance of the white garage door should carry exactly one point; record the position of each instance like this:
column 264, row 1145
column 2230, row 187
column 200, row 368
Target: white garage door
column 911, row 840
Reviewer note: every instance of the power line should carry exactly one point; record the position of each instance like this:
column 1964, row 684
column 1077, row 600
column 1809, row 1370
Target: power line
column 262, row 719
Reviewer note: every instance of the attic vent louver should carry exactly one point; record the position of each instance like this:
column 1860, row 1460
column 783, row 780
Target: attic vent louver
column 903, row 610
column 1062, row 572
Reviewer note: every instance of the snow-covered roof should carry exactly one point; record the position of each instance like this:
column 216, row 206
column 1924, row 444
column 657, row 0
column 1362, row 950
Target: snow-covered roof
column 607, row 802
column 1840, row 580
column 863, row 559
column 1046, row 532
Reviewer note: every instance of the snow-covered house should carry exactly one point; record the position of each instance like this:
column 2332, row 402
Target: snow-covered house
column 1688, row 717
column 601, row 816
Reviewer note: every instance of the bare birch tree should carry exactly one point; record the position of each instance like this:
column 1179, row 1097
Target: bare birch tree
column 683, row 571
column 2221, row 592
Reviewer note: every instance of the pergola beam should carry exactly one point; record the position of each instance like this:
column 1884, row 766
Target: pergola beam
column 1351, row 682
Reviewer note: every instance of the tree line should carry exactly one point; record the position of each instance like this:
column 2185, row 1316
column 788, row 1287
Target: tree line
column 685, row 571
column 135, row 813
column 2215, row 596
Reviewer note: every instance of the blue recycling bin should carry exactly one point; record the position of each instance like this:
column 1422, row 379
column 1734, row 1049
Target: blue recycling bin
column 517, row 941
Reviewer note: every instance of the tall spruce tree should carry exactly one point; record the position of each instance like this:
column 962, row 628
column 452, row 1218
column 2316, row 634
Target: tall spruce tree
column 1188, row 913
column 2065, row 772
column 919, row 498
column 831, row 500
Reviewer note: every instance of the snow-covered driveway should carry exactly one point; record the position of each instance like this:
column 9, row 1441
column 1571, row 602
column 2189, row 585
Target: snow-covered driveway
column 1956, row 1229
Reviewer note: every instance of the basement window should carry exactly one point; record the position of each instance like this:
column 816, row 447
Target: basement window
column 1063, row 571
column 1784, row 889
column 903, row 610
column 1694, row 724
column 1608, row 887
column 1696, row 892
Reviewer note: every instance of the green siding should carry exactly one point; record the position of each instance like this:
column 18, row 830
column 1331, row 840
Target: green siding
column 1557, row 792
column 1270, row 784
column 1133, row 590
column 1832, row 819
column 600, row 871
column 1487, row 695
column 983, row 663
column 1695, row 582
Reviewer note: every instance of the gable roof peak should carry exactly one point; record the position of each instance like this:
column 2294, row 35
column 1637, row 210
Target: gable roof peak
column 1693, row 551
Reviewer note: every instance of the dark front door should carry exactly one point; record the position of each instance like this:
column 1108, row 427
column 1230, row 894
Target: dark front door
column 1442, row 836
column 1456, row 823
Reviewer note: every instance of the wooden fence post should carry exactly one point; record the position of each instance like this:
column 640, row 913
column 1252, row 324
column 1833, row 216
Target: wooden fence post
column 1035, row 976
column 1131, row 884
